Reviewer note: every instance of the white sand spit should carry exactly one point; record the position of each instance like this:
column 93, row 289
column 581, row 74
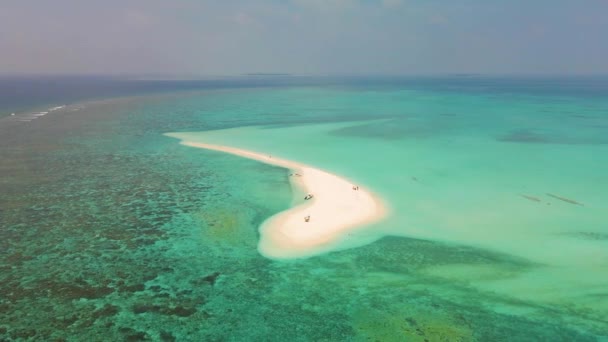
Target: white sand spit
column 335, row 210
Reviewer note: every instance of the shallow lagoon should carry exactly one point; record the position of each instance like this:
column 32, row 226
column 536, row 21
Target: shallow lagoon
column 111, row 229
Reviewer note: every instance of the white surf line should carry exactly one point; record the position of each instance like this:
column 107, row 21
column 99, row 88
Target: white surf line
column 56, row 108
column 28, row 117
column 335, row 210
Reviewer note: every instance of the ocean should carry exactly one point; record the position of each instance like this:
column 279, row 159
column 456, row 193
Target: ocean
column 497, row 190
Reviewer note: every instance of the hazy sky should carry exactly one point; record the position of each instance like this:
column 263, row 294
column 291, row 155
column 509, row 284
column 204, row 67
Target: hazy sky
column 304, row 36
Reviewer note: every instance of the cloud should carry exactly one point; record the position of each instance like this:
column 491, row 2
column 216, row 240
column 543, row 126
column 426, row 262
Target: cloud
column 392, row 3
column 242, row 18
column 326, row 5
column 338, row 5
column 312, row 36
column 438, row 19
column 138, row 19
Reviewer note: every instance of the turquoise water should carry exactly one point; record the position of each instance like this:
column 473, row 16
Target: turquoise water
column 497, row 228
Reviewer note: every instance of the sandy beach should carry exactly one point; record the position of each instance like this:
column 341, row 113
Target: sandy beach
column 337, row 208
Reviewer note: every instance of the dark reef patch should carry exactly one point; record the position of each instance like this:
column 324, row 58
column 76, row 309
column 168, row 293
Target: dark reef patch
column 590, row 235
column 564, row 199
column 529, row 136
column 166, row 336
column 524, row 136
column 531, row 198
column 180, row 311
column 107, row 310
column 208, row 279
column 133, row 335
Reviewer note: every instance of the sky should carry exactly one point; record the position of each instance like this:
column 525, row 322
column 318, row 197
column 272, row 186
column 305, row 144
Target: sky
column 231, row 37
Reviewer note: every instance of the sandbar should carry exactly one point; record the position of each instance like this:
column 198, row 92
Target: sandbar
column 338, row 207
